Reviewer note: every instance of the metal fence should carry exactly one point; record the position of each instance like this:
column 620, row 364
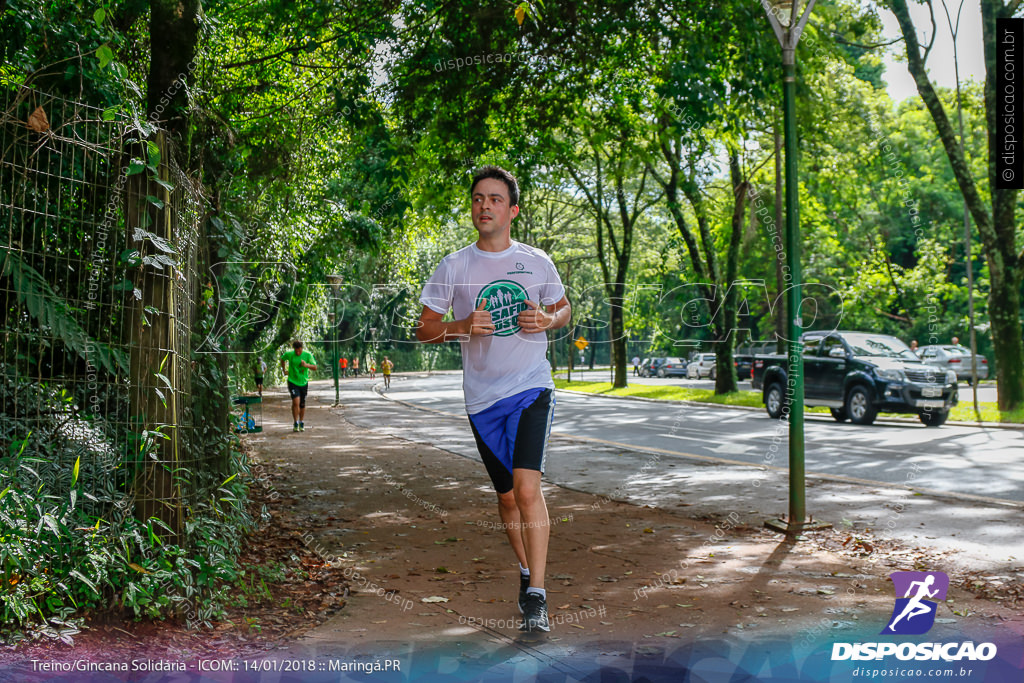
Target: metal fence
column 99, row 237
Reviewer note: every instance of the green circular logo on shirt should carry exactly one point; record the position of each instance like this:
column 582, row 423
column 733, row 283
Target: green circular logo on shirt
column 504, row 301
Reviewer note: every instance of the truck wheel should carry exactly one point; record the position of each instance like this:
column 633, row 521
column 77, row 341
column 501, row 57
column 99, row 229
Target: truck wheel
column 774, row 400
column 859, row 406
column 839, row 414
column 933, row 419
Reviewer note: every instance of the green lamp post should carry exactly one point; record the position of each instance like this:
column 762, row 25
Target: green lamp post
column 788, row 22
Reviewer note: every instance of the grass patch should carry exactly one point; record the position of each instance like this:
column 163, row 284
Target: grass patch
column 989, row 411
column 963, row 412
column 666, row 392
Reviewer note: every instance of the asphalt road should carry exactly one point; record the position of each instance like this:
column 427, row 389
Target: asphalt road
column 973, row 461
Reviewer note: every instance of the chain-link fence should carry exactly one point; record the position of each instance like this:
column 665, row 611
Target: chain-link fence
column 99, row 234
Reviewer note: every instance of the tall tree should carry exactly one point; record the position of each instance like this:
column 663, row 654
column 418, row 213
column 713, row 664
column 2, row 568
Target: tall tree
column 610, row 175
column 996, row 217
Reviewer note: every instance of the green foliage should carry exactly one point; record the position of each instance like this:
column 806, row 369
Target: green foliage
column 64, row 550
column 53, row 315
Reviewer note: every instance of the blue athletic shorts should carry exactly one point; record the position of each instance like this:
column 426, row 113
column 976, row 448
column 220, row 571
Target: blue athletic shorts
column 530, row 446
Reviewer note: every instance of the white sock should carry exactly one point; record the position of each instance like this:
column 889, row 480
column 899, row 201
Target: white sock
column 523, row 570
column 539, row 591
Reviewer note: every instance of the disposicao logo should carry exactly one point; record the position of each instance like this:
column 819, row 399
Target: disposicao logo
column 912, row 615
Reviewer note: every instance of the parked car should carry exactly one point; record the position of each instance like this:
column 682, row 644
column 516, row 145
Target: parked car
column 702, row 365
column 857, row 375
column 667, row 367
column 956, row 358
column 645, row 367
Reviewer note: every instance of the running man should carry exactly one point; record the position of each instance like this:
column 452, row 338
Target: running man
column 297, row 364
column 504, row 297
column 914, row 607
column 259, row 370
column 385, row 369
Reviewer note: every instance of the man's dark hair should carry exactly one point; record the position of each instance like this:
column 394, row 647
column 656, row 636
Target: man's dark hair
column 296, row 345
column 501, row 174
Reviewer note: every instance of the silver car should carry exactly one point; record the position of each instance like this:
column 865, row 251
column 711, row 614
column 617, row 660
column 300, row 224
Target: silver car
column 702, row 365
column 956, row 358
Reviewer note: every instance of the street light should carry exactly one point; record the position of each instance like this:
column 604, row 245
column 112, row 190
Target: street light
column 332, row 317
column 788, row 22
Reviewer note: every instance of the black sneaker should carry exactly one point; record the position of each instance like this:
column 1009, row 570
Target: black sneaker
column 535, row 614
column 524, row 583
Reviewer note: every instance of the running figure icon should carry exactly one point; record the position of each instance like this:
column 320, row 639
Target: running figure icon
column 915, row 607
column 914, row 612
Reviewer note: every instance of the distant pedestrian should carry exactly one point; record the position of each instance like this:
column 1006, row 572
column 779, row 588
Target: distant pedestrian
column 956, row 341
column 636, row 366
column 343, row 364
column 373, row 370
column 355, row 367
column 259, row 370
column 296, row 364
column 385, row 368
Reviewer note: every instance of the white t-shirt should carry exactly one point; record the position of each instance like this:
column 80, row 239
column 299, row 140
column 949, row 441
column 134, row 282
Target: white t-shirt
column 509, row 361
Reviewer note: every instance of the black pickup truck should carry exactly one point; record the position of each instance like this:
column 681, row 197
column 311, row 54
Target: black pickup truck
column 858, row 375
column 744, row 356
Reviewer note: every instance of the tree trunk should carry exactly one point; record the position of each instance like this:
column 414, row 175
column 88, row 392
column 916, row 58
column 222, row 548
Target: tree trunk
column 778, row 249
column 725, row 367
column 154, row 488
column 996, row 224
column 617, row 329
column 1004, row 314
column 174, row 36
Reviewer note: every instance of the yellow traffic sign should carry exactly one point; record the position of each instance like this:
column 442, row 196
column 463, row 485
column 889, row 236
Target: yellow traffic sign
column 581, row 343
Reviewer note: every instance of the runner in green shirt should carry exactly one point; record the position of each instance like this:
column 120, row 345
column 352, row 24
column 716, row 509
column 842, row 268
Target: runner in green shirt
column 297, row 364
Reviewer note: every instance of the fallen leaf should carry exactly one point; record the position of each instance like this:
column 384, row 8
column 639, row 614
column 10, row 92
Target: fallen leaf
column 38, row 122
column 434, row 598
